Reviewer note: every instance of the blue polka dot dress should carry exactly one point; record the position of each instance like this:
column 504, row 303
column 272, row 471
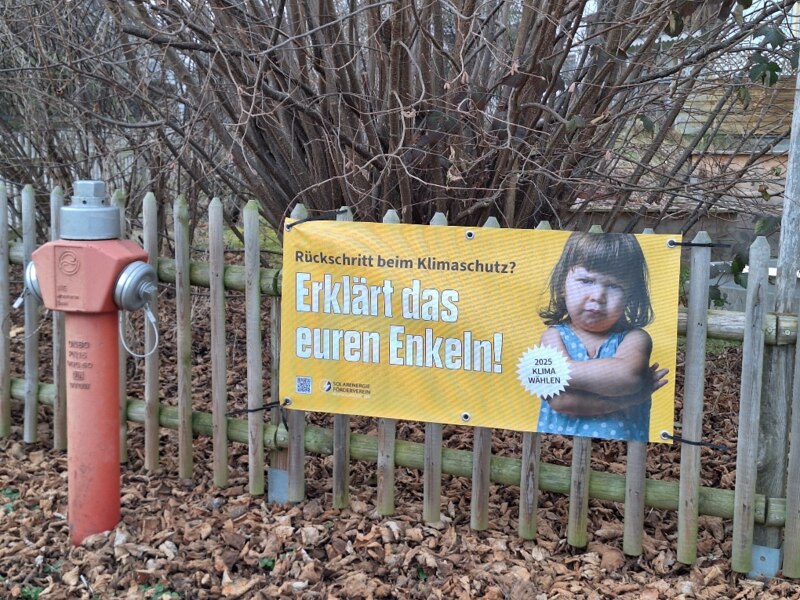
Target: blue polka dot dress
column 631, row 423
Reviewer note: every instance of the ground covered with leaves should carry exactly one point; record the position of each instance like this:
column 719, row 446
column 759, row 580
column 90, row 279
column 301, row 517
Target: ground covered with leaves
column 188, row 539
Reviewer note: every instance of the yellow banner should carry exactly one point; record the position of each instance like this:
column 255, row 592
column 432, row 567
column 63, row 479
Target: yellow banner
column 528, row 330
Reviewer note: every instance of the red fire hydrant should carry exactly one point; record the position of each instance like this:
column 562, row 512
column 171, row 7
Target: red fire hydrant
column 90, row 274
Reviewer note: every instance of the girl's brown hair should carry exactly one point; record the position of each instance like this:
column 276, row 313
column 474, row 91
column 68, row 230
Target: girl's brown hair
column 615, row 254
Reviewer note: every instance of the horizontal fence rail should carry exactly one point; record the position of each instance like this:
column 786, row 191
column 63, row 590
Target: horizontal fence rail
column 660, row 494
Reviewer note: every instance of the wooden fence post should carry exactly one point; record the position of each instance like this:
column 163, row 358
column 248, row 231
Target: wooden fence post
column 387, row 432
column 481, row 461
column 219, row 346
column 432, row 476
column 774, row 435
column 693, row 389
column 5, row 319
column 578, row 523
column 16, row 201
column 255, row 388
column 183, row 306
column 779, row 381
column 151, row 361
column 59, row 345
column 791, row 534
column 529, row 484
column 295, row 418
column 635, row 474
column 529, row 471
column 278, row 471
column 788, row 259
column 777, row 385
column 341, row 432
column 30, row 426
column 750, row 406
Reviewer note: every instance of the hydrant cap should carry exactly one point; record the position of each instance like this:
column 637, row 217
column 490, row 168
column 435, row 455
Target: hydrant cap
column 32, row 281
column 90, row 217
column 136, row 286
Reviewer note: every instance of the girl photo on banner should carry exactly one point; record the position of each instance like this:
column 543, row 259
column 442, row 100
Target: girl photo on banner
column 599, row 305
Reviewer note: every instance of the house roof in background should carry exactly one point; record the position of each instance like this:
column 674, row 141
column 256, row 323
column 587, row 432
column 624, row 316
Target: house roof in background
column 768, row 113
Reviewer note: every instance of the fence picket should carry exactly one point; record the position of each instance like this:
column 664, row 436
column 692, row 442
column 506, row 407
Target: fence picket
column 59, row 344
column 255, row 388
column 693, row 388
column 774, row 435
column 529, row 472
column 481, row 464
column 481, row 461
column 387, row 435
column 529, row 484
column 152, row 360
column 341, row 433
column 219, row 400
column 118, row 200
column 5, row 319
column 16, row 201
column 791, row 535
column 30, row 426
column 578, row 523
column 432, row 476
column 183, row 305
column 635, row 474
column 777, row 376
column 278, row 473
column 750, row 407
column 295, row 418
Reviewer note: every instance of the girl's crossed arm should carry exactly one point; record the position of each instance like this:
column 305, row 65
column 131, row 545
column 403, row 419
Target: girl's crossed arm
column 619, row 375
column 603, row 385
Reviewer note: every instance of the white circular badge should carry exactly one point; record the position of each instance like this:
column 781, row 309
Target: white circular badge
column 543, row 371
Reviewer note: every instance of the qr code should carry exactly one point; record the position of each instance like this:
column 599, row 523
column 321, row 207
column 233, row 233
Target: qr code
column 303, row 385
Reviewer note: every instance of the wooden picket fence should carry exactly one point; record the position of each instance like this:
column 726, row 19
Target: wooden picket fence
column 287, row 447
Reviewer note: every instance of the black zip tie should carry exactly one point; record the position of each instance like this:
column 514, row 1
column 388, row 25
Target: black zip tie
column 320, row 217
column 673, row 243
column 274, row 404
column 244, row 411
column 677, row 438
